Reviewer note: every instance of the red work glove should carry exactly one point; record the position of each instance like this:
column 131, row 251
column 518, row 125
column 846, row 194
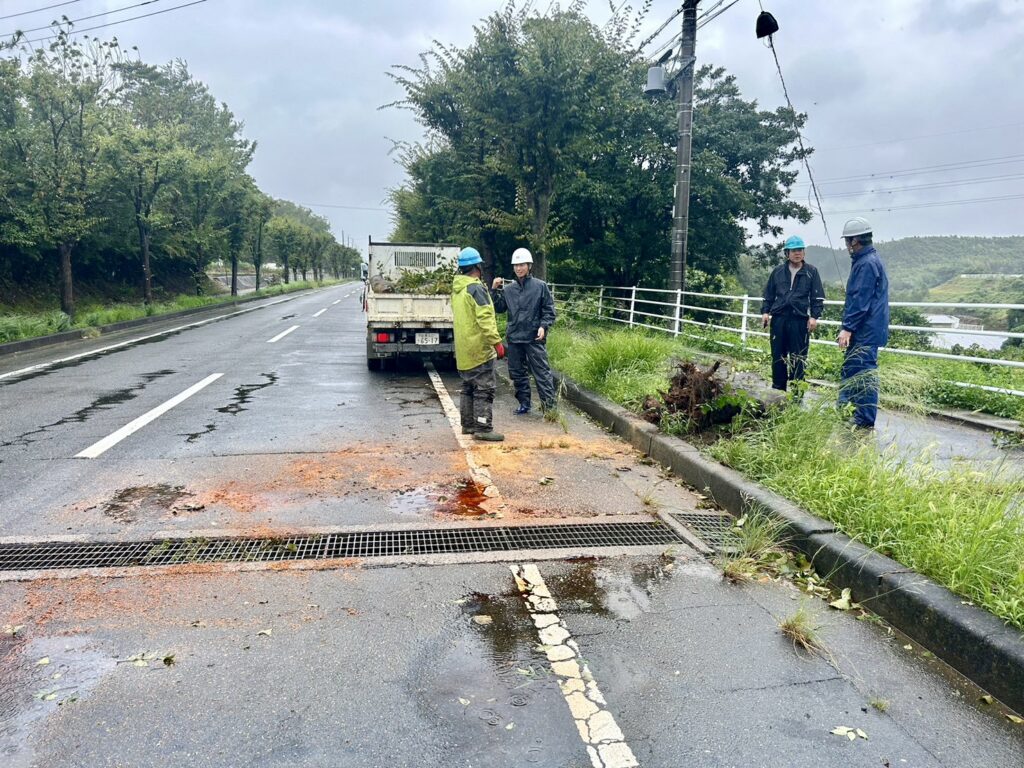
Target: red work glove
column 500, row 349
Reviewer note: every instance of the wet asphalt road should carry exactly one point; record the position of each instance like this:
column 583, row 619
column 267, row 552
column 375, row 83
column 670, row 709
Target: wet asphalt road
column 358, row 665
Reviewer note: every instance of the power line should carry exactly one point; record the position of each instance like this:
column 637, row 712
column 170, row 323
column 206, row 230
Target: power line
column 703, row 19
column 83, row 18
column 803, row 151
column 933, row 185
column 122, row 21
column 922, row 136
column 37, row 10
column 936, row 204
column 925, row 169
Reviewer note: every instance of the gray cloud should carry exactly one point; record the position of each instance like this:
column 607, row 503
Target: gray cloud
column 307, row 78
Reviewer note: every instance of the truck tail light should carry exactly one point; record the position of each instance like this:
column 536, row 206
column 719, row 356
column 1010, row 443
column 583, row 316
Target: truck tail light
column 383, row 338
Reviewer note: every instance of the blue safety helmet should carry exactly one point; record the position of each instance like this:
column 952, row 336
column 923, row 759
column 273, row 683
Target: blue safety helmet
column 469, row 256
column 794, row 243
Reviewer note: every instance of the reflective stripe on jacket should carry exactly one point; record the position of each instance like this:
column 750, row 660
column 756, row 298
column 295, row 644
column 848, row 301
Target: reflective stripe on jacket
column 529, row 306
column 476, row 331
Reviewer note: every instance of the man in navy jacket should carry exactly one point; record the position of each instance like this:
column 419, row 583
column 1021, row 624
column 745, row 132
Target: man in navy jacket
column 865, row 324
column 793, row 301
column 531, row 313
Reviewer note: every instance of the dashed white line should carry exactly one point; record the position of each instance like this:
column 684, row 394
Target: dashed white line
column 281, row 335
column 131, row 427
column 120, row 344
column 338, row 301
column 481, row 476
column 606, row 745
column 317, row 314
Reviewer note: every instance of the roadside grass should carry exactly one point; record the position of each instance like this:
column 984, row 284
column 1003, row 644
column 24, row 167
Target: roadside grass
column 18, row 326
column 803, row 629
column 959, row 526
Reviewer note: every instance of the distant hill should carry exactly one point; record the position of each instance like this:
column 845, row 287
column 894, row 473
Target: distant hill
column 917, row 264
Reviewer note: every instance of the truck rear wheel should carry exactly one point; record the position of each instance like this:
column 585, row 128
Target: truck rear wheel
column 374, row 363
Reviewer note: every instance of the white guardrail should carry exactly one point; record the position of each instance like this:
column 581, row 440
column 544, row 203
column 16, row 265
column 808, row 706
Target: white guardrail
column 665, row 310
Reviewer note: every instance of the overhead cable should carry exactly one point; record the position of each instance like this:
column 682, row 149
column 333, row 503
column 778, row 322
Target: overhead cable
column 37, row 10
column 122, row 21
column 83, row 18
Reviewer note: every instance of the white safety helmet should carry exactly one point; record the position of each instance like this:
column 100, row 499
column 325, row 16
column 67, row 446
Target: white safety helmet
column 521, row 256
column 856, row 226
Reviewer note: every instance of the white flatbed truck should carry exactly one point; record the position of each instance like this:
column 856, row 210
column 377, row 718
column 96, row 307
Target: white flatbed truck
column 408, row 325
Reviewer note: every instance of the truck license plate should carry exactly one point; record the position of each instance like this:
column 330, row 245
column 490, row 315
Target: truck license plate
column 428, row 338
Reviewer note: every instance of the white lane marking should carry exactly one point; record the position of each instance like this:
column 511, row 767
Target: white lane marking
column 338, row 301
column 111, row 440
column 480, row 475
column 317, row 314
column 120, row 344
column 281, row 335
column 606, row 745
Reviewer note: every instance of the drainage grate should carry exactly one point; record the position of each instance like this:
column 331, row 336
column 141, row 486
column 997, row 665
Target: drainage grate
column 713, row 529
column 364, row 544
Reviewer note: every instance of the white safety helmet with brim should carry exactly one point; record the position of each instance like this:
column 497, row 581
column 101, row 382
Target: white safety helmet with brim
column 521, row 256
column 856, row 226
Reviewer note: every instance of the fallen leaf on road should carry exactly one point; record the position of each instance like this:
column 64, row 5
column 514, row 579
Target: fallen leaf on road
column 13, row 629
column 986, row 699
column 850, row 733
column 546, row 480
column 265, row 632
column 908, row 647
column 844, row 603
column 44, row 660
column 1014, row 719
column 510, row 726
column 168, row 659
column 483, row 619
column 464, row 702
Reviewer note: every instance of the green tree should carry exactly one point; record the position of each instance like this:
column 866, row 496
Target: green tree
column 53, row 130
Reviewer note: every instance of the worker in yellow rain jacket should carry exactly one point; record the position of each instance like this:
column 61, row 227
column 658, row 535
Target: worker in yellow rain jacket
column 477, row 346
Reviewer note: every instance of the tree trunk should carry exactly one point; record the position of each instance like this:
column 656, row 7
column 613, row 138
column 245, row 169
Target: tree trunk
column 540, row 207
column 234, row 274
column 259, row 274
column 67, row 294
column 284, row 261
column 147, row 272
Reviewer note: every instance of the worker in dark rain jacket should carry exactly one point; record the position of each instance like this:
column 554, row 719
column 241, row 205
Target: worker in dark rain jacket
column 793, row 301
column 477, row 345
column 531, row 312
column 865, row 324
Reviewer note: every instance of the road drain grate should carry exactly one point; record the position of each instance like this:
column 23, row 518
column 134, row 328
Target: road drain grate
column 363, row 544
column 715, row 530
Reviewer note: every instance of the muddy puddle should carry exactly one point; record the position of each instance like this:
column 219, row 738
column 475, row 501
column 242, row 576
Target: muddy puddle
column 492, row 690
column 129, row 505
column 38, row 676
column 462, row 499
column 622, row 593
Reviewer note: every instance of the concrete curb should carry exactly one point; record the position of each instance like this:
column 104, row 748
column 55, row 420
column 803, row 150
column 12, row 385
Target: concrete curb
column 39, row 342
column 966, row 637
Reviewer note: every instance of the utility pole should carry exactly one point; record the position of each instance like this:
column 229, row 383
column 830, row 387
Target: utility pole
column 681, row 214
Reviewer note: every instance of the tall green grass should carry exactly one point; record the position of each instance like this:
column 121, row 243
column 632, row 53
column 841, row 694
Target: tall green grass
column 624, row 365
column 961, row 527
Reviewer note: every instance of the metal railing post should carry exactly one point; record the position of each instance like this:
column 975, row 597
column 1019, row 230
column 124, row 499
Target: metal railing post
column 600, row 302
column 743, row 331
column 632, row 305
column 679, row 312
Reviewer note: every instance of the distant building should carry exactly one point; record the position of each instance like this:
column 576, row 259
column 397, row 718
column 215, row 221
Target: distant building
column 943, row 321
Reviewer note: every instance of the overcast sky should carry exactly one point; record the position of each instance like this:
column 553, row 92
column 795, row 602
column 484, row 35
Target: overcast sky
column 889, row 86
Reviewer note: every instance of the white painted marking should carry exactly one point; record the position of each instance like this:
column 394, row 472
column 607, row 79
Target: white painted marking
column 131, row 427
column 605, row 743
column 481, row 476
column 338, row 301
column 317, row 314
column 120, row 344
column 281, row 335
